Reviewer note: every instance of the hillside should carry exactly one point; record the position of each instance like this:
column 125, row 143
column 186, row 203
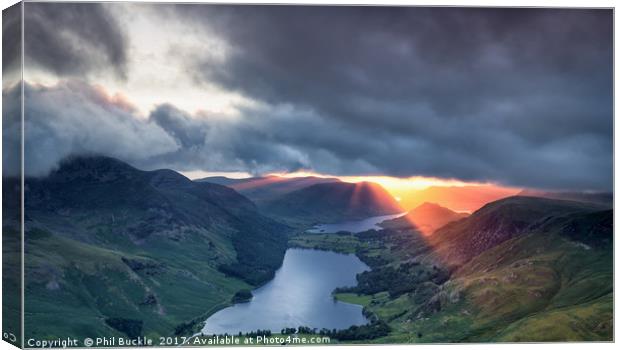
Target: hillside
column 427, row 217
column 523, row 269
column 545, row 285
column 497, row 222
column 518, row 269
column 124, row 250
column 333, row 202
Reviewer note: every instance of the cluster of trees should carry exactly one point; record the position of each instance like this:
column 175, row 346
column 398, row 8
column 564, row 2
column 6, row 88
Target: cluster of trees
column 260, row 247
column 407, row 243
column 370, row 235
column 396, row 281
column 132, row 328
column 186, row 327
column 257, row 333
column 301, row 330
column 344, row 233
column 242, row 296
column 374, row 329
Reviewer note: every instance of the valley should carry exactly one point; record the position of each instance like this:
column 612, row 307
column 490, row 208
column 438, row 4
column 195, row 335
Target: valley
column 335, row 174
column 113, row 250
column 547, row 280
column 299, row 295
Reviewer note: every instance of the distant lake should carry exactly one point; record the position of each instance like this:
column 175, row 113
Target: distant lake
column 299, row 295
column 354, row 226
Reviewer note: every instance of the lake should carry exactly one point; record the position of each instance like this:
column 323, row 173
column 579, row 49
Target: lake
column 298, row 295
column 354, row 226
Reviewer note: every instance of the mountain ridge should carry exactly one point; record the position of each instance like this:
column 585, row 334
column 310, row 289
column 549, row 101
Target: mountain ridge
column 267, row 188
column 162, row 248
column 334, row 202
column 427, row 217
column 603, row 198
column 499, row 221
column 519, row 269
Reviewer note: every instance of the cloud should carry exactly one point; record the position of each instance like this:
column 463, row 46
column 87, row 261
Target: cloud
column 186, row 130
column 11, row 42
column 283, row 138
column 225, row 144
column 521, row 97
column 73, row 39
column 75, row 118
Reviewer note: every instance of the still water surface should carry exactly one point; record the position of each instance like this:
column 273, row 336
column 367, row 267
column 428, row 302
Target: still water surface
column 299, row 295
column 354, row 226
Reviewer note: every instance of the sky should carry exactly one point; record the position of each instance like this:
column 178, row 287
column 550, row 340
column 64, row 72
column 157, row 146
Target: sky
column 512, row 97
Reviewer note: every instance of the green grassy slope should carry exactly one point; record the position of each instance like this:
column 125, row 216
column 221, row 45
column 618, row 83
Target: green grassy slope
column 11, row 281
column 84, row 285
column 532, row 288
column 11, row 260
column 496, row 222
column 112, row 247
column 552, row 284
column 542, row 273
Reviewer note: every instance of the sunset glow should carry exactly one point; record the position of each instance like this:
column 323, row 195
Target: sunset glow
column 389, row 182
column 409, row 192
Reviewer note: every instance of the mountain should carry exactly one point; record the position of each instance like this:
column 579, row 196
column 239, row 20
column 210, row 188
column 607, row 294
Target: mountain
column 552, row 282
column 221, row 180
column 334, row 202
column 457, row 198
column 137, row 252
column 427, row 218
column 497, row 222
column 264, row 189
column 603, row 198
column 545, row 284
column 519, row 269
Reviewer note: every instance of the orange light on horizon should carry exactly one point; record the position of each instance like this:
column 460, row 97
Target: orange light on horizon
column 403, row 188
column 413, row 182
column 457, row 195
column 410, row 183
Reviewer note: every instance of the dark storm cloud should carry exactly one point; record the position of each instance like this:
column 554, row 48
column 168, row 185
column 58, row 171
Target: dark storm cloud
column 73, row 39
column 271, row 139
column 223, row 144
column 75, row 118
column 11, row 39
column 519, row 96
column 185, row 129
